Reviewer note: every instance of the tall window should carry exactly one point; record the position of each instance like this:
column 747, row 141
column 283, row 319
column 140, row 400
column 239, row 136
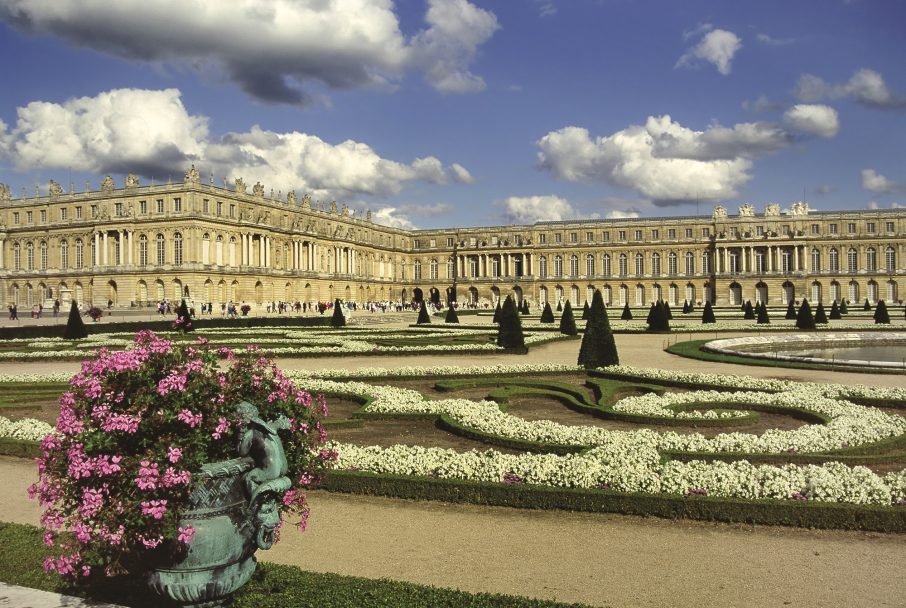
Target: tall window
column 177, row 248
column 639, row 264
column 655, row 264
column 890, row 259
column 671, row 264
column 29, row 256
column 589, row 266
column 64, row 254
column 418, row 270
column 833, row 260
column 706, row 262
column 79, row 253
column 160, row 250
column 574, row 266
column 852, row 260
column 558, row 266
column 624, row 265
column 690, row 263
column 786, row 261
column 450, row 268
column 433, row 270
column 177, row 204
column 605, row 263
column 871, row 259
column 143, row 250
column 43, row 255
column 542, row 267
column 17, row 257
column 816, row 260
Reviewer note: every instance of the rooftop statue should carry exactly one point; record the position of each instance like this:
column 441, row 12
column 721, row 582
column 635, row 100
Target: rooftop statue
column 107, row 184
column 746, row 210
column 54, row 189
column 192, row 176
column 258, row 190
column 720, row 213
column 771, row 210
column 239, row 186
column 799, row 208
column 291, row 197
column 132, row 181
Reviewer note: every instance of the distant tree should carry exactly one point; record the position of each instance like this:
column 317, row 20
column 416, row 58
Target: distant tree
column 599, row 349
column 748, row 311
column 585, row 311
column 451, row 317
column 338, row 319
column 805, row 319
column 496, row 318
column 547, row 315
column 423, row 316
column 567, row 321
column 658, row 320
column 708, row 314
column 844, row 310
column 820, row 315
column 834, row 311
column 559, row 306
column 627, row 313
column 866, row 306
column 791, row 310
column 509, row 330
column 881, row 314
column 75, row 328
column 762, row 317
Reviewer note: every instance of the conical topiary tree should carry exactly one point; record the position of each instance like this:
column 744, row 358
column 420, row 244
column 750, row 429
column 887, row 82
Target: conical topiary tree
column 708, row 314
column 685, row 307
column 567, row 321
column 525, row 308
column 423, row 317
column 668, row 311
column 650, row 316
column 844, row 310
column 820, row 315
column 183, row 318
column 834, row 311
column 509, row 330
column 451, row 317
column 627, row 313
column 559, row 306
column 338, row 319
column 75, row 328
column 866, row 306
column 881, row 314
column 585, row 311
column 496, row 318
column 658, row 320
column 748, row 311
column 805, row 319
column 547, row 315
column 762, row 317
column 791, row 310
column 599, row 349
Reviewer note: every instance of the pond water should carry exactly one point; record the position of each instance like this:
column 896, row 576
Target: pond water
column 894, row 353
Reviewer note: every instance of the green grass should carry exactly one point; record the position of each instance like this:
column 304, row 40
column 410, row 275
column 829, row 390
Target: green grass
column 272, row 586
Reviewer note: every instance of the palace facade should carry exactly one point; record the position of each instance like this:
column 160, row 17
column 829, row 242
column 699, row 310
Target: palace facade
column 137, row 245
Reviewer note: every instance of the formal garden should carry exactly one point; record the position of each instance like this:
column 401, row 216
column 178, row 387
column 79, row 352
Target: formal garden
column 153, row 410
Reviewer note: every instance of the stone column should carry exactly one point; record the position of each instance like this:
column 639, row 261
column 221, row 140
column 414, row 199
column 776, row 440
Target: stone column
column 726, row 259
column 2, row 247
column 527, row 258
column 130, row 238
column 97, row 250
column 795, row 258
column 104, row 249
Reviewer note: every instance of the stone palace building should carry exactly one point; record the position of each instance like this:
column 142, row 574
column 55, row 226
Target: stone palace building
column 137, row 245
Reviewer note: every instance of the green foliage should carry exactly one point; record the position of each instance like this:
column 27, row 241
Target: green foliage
column 834, row 311
column 525, row 308
column 748, row 311
column 881, row 313
column 509, row 330
column 567, row 321
column 805, row 319
column 585, row 311
column 668, row 311
column 866, row 306
column 184, row 322
column 762, row 317
column 627, row 313
column 686, row 307
column 657, row 318
column 843, row 308
column 650, row 316
column 451, row 317
column 820, row 315
column 423, row 316
column 599, row 349
column 547, row 315
column 559, row 306
column 708, row 314
column 791, row 310
column 75, row 327
column 338, row 319
column 496, row 318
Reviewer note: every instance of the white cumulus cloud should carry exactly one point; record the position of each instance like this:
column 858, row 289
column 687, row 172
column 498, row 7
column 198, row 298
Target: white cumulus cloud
column 390, row 216
column 461, row 174
column 865, row 86
column 276, row 50
column 530, row 209
column 875, row 182
column 716, row 47
column 813, row 118
column 616, row 214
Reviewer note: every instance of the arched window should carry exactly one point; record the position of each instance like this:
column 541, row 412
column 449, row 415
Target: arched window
column 852, row 260
column 890, row 260
column 177, row 249
column 43, row 255
column 574, row 266
column 639, row 264
column 450, row 268
column 558, row 266
column 206, row 248
column 17, row 257
column 418, row 270
column 871, row 259
column 833, row 260
column 624, row 265
column 671, row 264
column 64, row 254
column 690, row 263
column 29, row 256
column 706, row 262
column 79, row 253
column 143, row 250
column 816, row 261
column 655, row 264
column 542, row 267
column 433, row 269
column 160, row 249
column 589, row 266
column 605, row 265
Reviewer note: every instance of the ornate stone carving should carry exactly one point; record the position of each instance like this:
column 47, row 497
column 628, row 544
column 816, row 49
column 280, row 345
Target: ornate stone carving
column 258, row 190
column 345, row 210
column 239, row 186
column 5, row 194
column 368, row 216
column 799, row 208
column 306, row 201
column 192, row 176
column 771, row 210
column 720, row 213
column 107, row 185
column 291, row 198
column 333, row 207
column 132, row 181
column 746, row 210
column 54, row 189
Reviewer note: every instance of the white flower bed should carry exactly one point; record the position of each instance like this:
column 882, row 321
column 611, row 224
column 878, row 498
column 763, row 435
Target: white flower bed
column 27, row 429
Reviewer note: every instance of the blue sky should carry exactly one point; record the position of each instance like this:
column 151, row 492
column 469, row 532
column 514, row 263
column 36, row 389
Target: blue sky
column 458, row 113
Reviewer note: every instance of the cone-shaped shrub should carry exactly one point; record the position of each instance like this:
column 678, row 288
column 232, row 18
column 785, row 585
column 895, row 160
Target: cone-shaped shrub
column 881, row 314
column 762, row 317
column 650, row 316
column 423, row 316
column 75, row 328
column 338, row 319
column 451, row 317
column 627, row 313
column 866, row 306
column 658, row 320
column 547, row 315
column 525, row 308
column 708, row 314
column 567, row 321
column 844, row 310
column 496, row 318
column 791, row 310
column 805, row 319
column 748, row 311
column 559, row 306
column 599, row 349
column 668, row 311
column 691, row 306
column 183, row 319
column 835, row 311
column 509, row 330
column 820, row 315
column 685, row 307
column 585, row 311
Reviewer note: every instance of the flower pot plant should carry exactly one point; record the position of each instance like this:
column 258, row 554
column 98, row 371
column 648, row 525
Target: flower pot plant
column 169, row 468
